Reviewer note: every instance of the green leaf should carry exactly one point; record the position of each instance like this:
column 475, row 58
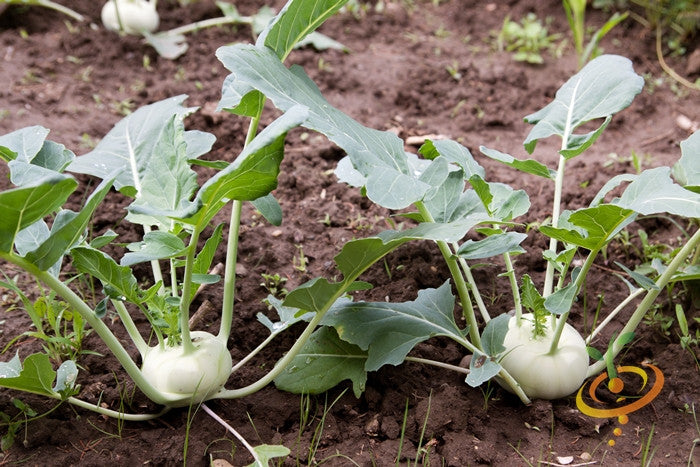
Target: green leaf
column 529, row 166
column 167, row 181
column 598, row 224
column 531, row 298
column 131, row 144
column 270, row 208
column 65, row 234
column 116, row 279
column 500, row 200
column 287, row 316
column 388, row 331
column 322, row 363
column 23, row 144
column 296, row 20
column 641, row 280
column 606, row 85
column 455, row 153
column 205, row 257
column 36, row 374
column 687, row 169
column 561, row 300
column 377, row 155
column 66, row 375
column 506, row 242
column 167, row 44
column 267, row 452
column 155, row 245
column 481, row 369
column 654, row 192
column 494, row 334
column 23, row 206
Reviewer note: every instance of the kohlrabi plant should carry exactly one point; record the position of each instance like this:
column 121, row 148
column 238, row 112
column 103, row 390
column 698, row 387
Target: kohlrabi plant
column 151, row 158
column 533, row 351
column 141, row 17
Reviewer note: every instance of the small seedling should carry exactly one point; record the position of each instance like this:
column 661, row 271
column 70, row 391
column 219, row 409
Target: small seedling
column 527, row 39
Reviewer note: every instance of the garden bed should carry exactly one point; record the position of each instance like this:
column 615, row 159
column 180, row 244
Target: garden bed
column 422, row 70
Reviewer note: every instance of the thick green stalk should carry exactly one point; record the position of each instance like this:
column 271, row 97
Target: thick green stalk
column 647, row 301
column 460, row 284
column 556, row 211
column 232, row 250
column 474, row 289
column 517, row 302
column 561, row 321
column 130, row 417
column 186, row 298
column 131, row 328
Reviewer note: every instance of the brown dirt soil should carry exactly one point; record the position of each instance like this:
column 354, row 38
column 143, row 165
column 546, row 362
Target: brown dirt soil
column 76, row 79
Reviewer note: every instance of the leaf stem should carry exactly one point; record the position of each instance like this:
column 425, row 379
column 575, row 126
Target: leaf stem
column 561, row 321
column 647, row 301
column 472, row 285
column 130, row 327
column 460, row 284
column 613, row 313
column 517, row 302
column 208, row 23
column 116, row 414
column 60, row 8
column 186, row 298
column 232, row 250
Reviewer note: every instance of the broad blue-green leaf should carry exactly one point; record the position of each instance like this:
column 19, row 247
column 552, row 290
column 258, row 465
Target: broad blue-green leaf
column 155, row 245
column 167, row 181
column 388, row 331
column 324, row 362
column 21, row 207
column 599, row 224
column 506, row 242
column 560, row 300
column 494, row 334
column 500, row 200
column 115, row 278
column 52, row 158
column 270, row 208
column 22, row 144
column 36, row 374
column 455, row 153
column 606, row 85
column 374, row 154
column 67, row 231
column 295, row 21
column 131, row 144
column 687, row 169
column 654, row 192
column 450, row 202
column 610, row 185
column 529, row 166
column 267, row 452
column 287, row 316
column 167, row 44
column 65, row 377
column 481, row 369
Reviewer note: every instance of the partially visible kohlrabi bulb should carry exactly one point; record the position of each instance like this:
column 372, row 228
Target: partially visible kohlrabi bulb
column 137, row 16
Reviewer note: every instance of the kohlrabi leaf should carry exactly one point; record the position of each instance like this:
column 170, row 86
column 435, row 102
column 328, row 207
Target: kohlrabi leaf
column 687, row 169
column 167, row 44
column 267, row 452
column 560, row 301
column 155, row 245
column 529, row 166
column 388, row 331
column 203, row 260
column 27, row 167
column 167, row 180
column 131, row 145
column 654, row 192
column 270, row 208
column 530, row 296
column 500, row 200
column 296, row 20
column 36, row 374
column 67, row 230
column 455, row 153
column 494, row 334
column 610, row 185
column 377, row 155
column 450, row 202
column 22, row 144
column 287, row 316
column 506, row 242
column 599, row 225
column 66, row 374
column 641, row 280
column 323, row 362
column 481, row 369
column 21, row 207
column 118, row 281
column 606, row 85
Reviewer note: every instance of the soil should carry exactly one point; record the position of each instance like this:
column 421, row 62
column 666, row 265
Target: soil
column 417, row 68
